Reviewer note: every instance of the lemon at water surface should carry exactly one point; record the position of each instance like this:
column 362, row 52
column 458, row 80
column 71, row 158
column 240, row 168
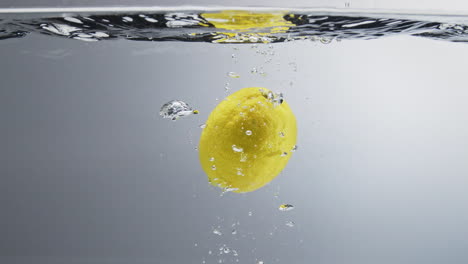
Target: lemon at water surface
column 248, row 140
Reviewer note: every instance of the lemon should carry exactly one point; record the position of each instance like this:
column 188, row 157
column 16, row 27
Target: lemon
column 245, row 20
column 233, row 22
column 248, row 140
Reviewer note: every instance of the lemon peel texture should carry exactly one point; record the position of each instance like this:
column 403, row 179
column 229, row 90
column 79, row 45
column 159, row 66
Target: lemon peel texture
column 248, row 140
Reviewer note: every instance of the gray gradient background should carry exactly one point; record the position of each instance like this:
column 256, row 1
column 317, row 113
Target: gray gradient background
column 91, row 174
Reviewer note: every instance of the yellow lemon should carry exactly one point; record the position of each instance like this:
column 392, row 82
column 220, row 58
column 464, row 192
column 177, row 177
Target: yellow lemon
column 248, row 140
column 244, row 24
column 244, row 20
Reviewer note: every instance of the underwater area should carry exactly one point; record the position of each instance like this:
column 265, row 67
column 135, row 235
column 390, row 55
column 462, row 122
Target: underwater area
column 93, row 169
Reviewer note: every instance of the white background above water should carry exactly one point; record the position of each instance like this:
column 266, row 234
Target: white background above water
column 448, row 6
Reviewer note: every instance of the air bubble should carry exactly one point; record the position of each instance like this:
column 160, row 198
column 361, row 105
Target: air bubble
column 286, row 207
column 175, row 109
column 233, row 75
column 237, row 149
column 226, row 190
column 248, row 132
column 225, row 249
column 326, row 40
column 243, row 159
column 275, row 98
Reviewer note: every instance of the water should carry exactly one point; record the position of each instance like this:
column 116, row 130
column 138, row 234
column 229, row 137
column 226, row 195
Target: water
column 91, row 173
column 234, row 26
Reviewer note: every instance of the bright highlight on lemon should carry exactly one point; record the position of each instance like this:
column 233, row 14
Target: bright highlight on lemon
column 248, row 140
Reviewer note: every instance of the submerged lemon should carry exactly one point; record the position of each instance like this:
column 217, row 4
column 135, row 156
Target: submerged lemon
column 248, row 140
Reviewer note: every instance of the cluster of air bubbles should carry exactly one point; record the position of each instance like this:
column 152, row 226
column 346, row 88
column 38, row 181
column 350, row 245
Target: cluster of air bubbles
column 74, row 32
column 233, row 75
column 93, row 36
column 228, row 189
column 266, row 52
column 216, row 231
column 294, row 148
column 457, row 28
column 225, row 250
column 324, row 40
column 275, row 98
column 227, row 87
column 180, row 20
column 234, row 57
column 234, row 230
column 285, row 207
column 243, row 158
column 242, row 38
column 290, row 224
column 258, row 71
column 59, row 29
column 293, row 66
column 175, row 109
